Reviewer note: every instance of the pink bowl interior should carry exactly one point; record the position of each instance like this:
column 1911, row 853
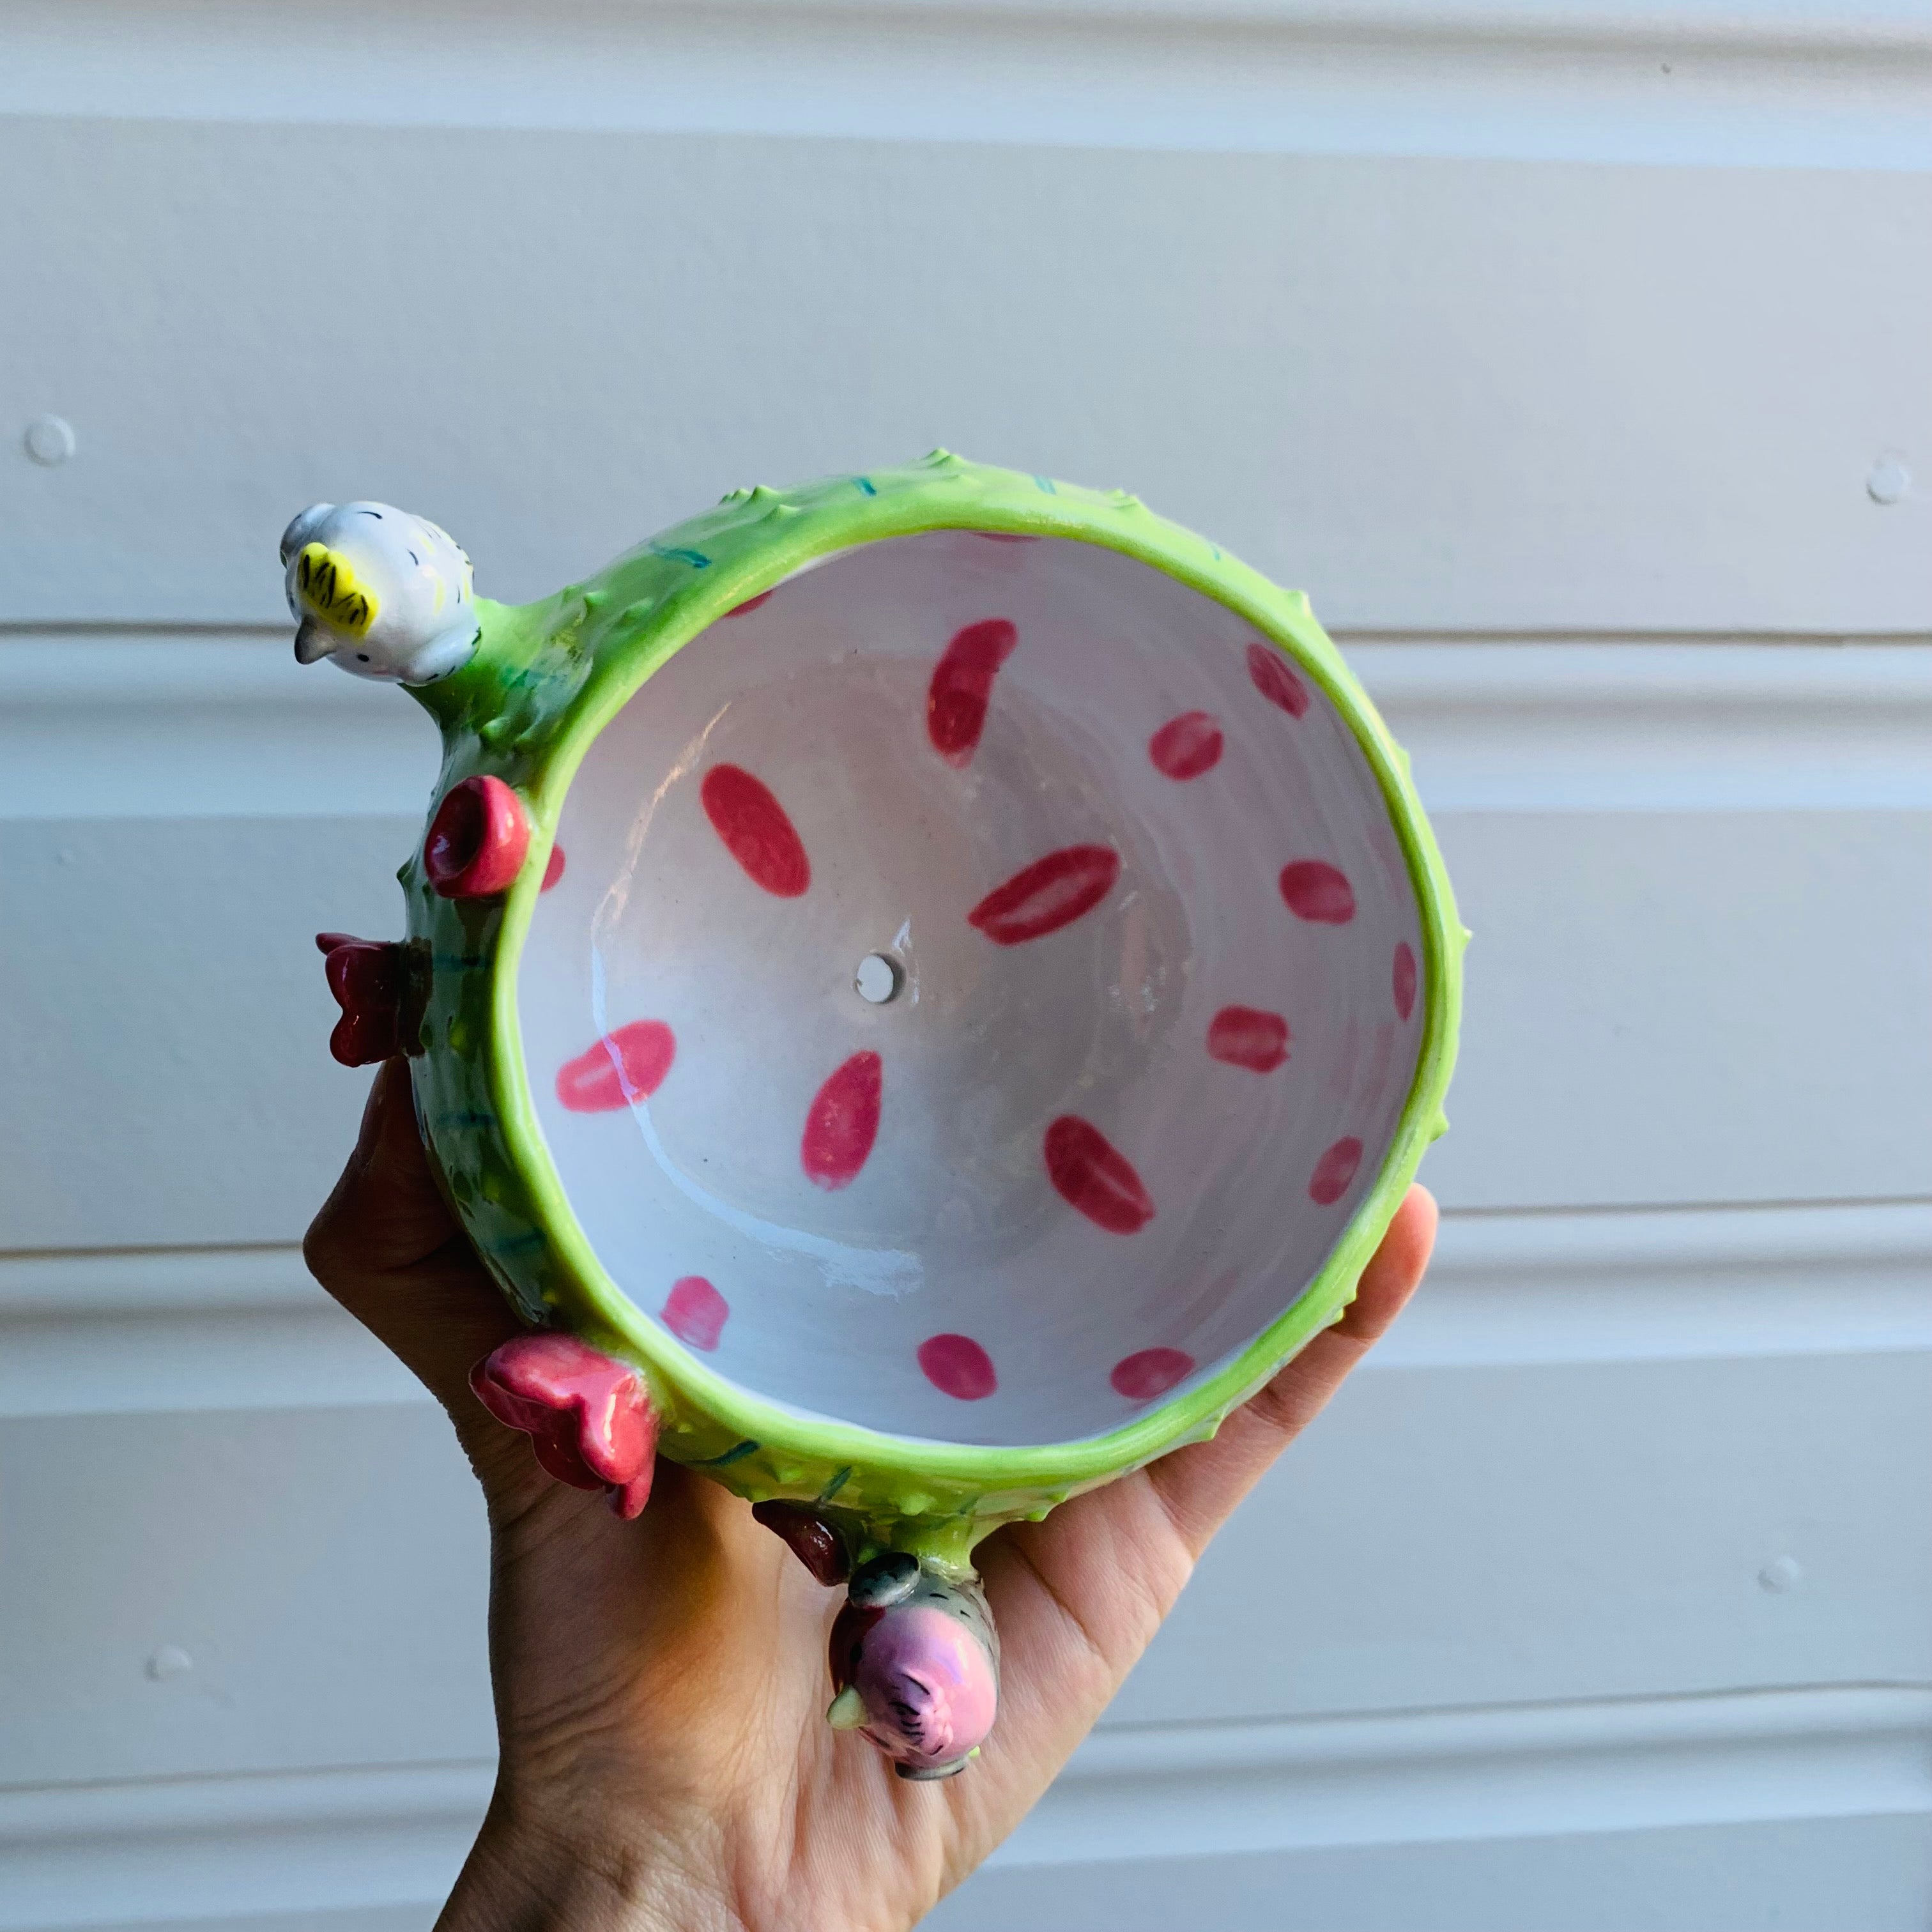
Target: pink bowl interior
column 1151, row 948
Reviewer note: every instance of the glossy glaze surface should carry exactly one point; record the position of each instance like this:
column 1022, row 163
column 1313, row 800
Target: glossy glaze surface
column 1156, row 1011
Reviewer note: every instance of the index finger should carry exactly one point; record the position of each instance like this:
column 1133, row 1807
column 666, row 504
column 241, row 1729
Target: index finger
column 1199, row 1485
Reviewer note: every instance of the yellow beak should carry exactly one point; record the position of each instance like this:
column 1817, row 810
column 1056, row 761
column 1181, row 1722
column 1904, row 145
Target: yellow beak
column 328, row 589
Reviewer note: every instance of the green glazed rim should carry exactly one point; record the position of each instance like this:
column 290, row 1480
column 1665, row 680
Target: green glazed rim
column 547, row 679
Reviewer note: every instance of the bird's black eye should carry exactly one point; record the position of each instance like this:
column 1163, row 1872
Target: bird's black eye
column 361, row 657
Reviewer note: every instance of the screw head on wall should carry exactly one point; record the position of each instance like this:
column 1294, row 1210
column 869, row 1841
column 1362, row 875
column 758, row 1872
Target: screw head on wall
column 49, row 440
column 1889, row 480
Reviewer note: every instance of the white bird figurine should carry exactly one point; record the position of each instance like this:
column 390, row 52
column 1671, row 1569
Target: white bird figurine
column 386, row 595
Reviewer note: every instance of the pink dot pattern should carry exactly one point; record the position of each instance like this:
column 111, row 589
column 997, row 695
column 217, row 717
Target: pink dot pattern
column 745, row 814
column 1404, row 979
column 1051, row 892
column 1247, row 1037
column 1085, row 1168
column 695, row 1313
column 1151, row 1372
column 1268, row 671
column 962, row 688
column 1335, row 1172
column 1315, row 890
column 1090, row 1173
column 843, row 1122
column 629, row 1064
column 1187, row 746
column 957, row 1366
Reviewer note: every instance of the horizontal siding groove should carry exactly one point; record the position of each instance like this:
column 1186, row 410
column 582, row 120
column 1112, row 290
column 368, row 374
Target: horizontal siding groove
column 1506, row 1771
column 1483, row 1243
column 1889, row 26
column 247, row 1328
column 111, row 725
column 1709, row 23
column 1352, row 637
column 1807, row 1238
column 90, row 630
column 148, row 1806
column 55, row 663
column 104, row 1283
column 1758, row 82
column 212, row 1849
column 1670, row 1285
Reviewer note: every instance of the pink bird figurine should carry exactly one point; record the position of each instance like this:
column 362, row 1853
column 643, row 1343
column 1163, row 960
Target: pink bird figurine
column 916, row 1665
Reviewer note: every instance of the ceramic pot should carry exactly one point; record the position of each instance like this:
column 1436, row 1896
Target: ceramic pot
column 924, row 988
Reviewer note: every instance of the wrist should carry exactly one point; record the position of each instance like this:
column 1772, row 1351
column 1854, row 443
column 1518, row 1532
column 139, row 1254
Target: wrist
column 522, row 1876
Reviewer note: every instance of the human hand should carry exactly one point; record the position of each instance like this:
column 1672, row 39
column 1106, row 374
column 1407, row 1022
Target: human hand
column 661, row 1685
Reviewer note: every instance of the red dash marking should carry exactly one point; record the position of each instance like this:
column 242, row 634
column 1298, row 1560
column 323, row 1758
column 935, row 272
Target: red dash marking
column 843, row 1122
column 962, row 685
column 957, row 1366
column 1334, row 1170
column 755, row 830
column 1152, row 1372
column 695, row 1312
column 1313, row 889
column 553, row 868
column 1247, row 1037
column 628, row 1065
column 750, row 605
column 1185, row 747
column 1268, row 671
column 1093, row 1175
column 1405, row 979
column 1051, row 892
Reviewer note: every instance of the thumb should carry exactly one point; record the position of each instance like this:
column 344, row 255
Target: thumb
column 387, row 1246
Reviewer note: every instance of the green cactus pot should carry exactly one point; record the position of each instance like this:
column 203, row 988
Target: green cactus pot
column 942, row 974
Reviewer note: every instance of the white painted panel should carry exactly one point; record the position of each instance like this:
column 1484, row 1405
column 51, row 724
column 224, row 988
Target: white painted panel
column 1443, row 394
column 323, row 1571
column 1680, row 1006
column 1740, row 1811
column 203, row 725
column 1457, row 1535
column 1605, row 1499
column 164, row 1022
column 1870, row 1874
column 354, row 1850
column 1321, row 277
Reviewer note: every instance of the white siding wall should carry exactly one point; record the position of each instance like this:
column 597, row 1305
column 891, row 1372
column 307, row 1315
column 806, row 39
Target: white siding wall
column 1550, row 347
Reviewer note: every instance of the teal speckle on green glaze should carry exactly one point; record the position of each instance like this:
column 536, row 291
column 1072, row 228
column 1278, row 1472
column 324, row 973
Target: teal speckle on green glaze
column 545, row 680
